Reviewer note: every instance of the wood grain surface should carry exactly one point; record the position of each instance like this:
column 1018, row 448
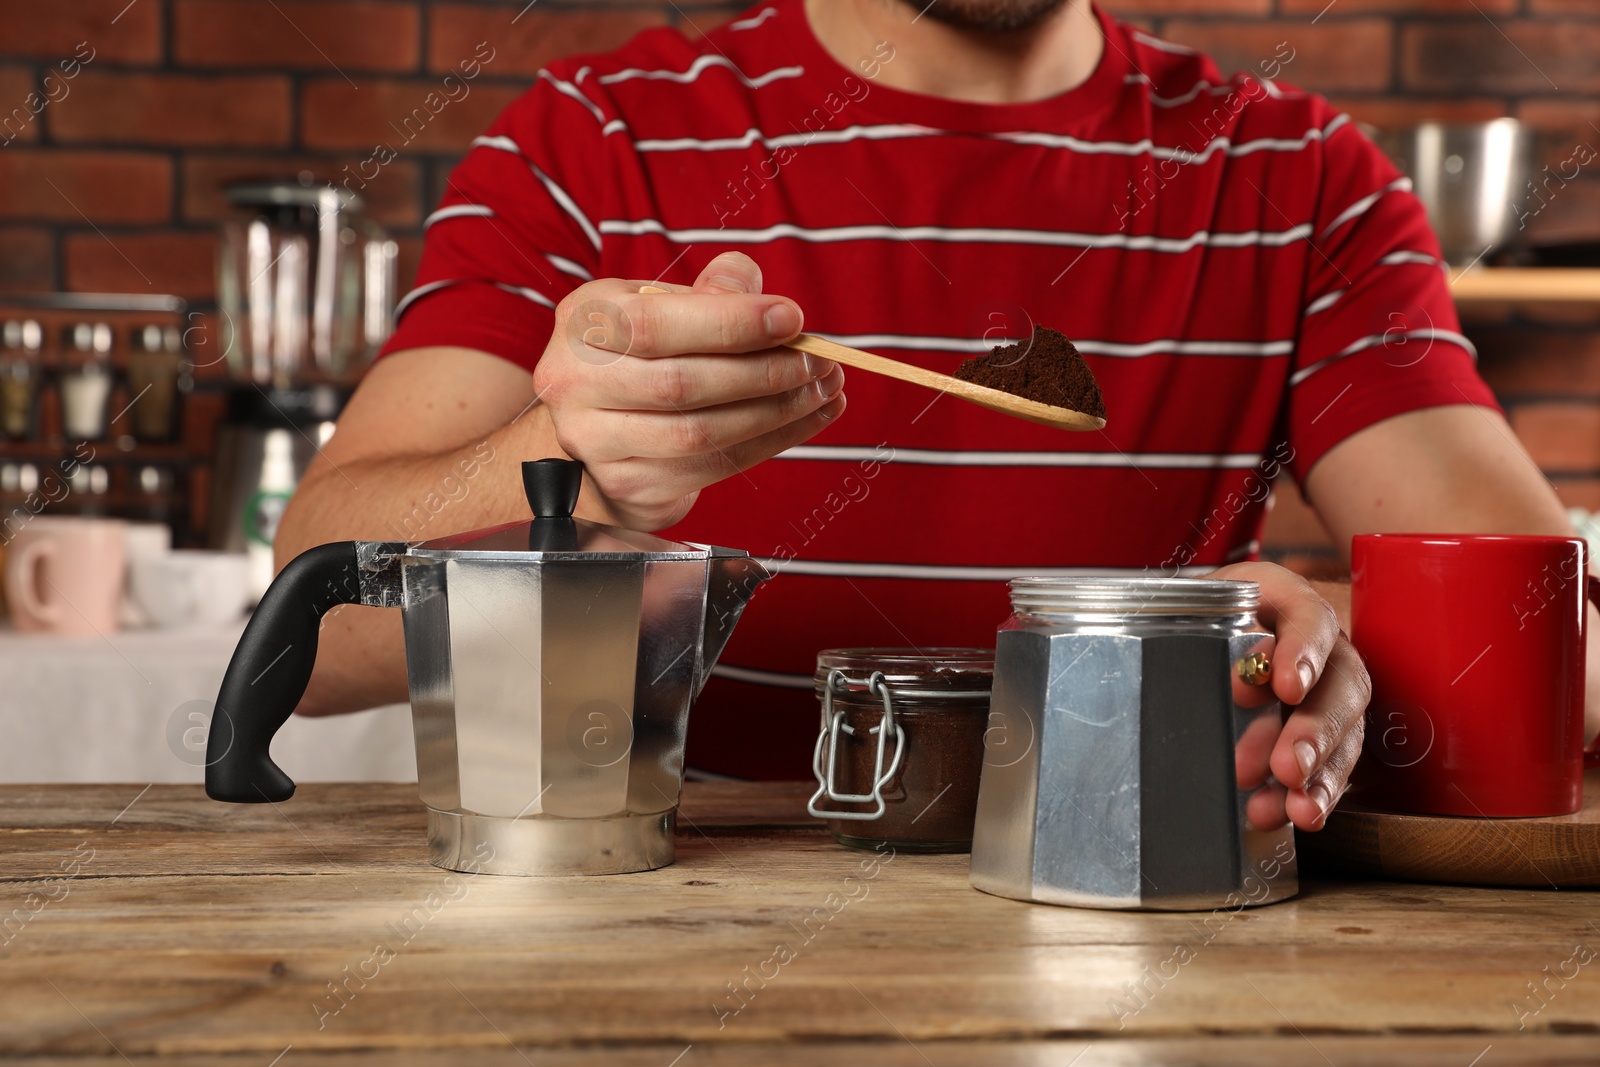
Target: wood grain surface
column 152, row 924
column 1561, row 851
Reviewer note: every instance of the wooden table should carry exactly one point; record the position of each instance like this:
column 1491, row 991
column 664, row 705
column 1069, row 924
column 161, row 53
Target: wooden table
column 151, row 923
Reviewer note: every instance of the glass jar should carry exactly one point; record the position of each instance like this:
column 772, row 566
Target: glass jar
column 1132, row 725
column 20, row 342
column 86, row 380
column 155, row 378
column 901, row 745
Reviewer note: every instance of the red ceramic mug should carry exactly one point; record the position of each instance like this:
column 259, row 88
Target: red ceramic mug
column 1475, row 645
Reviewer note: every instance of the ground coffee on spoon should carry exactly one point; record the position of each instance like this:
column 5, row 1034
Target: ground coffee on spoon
column 1046, row 367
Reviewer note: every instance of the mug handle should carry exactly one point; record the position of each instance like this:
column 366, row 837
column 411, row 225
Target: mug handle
column 22, row 582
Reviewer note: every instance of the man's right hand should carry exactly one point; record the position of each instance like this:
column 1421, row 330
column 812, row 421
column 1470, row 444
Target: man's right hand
column 663, row 394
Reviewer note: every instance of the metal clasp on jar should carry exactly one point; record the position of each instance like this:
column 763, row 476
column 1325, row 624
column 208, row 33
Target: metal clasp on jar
column 828, row 742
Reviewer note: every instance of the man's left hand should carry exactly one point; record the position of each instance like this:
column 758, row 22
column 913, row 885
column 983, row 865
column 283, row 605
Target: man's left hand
column 1316, row 673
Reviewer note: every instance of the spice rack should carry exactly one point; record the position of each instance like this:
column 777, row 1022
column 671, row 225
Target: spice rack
column 149, row 480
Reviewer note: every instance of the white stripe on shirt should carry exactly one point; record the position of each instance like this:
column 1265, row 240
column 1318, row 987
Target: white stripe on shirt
column 934, row 457
column 1413, row 257
column 961, row 235
column 1033, row 138
column 755, row 677
column 500, row 142
column 577, row 94
column 559, row 195
column 1372, row 341
column 1162, row 46
column 432, row 287
column 1323, row 302
column 843, row 569
column 882, row 131
column 696, row 68
column 1182, row 98
column 1092, row 347
column 529, row 294
column 567, row 266
column 754, row 20
column 1401, row 184
column 421, row 291
column 459, row 211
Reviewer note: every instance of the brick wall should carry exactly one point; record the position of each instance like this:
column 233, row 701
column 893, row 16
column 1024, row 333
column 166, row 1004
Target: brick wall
column 113, row 185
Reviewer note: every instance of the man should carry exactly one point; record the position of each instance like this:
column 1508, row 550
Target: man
column 1253, row 282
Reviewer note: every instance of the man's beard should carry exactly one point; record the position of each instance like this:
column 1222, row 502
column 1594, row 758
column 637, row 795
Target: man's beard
column 988, row 16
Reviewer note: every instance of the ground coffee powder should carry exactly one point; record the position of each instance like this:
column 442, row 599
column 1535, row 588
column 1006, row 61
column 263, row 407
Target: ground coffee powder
column 1046, row 367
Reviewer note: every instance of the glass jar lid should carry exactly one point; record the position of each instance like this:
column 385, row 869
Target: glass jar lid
column 913, row 674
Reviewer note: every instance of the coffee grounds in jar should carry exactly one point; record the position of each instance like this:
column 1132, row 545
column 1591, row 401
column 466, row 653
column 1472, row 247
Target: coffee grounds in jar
column 1047, row 368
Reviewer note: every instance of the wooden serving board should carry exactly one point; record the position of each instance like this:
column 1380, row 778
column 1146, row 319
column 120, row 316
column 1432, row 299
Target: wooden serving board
column 1554, row 852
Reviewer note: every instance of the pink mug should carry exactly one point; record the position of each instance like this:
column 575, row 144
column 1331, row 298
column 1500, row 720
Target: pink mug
column 64, row 575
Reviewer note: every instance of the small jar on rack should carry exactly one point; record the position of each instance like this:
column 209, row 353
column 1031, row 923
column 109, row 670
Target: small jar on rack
column 86, row 380
column 20, row 368
column 156, row 381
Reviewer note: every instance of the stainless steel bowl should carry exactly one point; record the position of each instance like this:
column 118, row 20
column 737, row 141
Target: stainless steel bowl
column 1472, row 177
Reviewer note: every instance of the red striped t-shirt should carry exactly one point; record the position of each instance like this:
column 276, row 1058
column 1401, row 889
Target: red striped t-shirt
column 1250, row 279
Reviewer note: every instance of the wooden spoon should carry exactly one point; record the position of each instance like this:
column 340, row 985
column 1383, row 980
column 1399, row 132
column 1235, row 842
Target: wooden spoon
column 994, row 399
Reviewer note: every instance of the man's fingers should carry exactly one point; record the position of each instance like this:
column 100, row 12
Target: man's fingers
column 686, row 383
column 652, row 325
column 675, row 434
column 731, row 272
column 649, row 483
column 1304, row 623
column 1322, row 738
column 1308, row 808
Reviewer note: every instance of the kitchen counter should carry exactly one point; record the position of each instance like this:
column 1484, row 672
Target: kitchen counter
column 152, row 923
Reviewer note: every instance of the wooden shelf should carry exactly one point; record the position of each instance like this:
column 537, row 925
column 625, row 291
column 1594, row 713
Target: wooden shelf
column 1526, row 285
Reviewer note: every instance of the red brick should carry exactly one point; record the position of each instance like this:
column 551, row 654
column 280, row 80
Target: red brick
column 183, row 264
column 27, row 261
column 1123, row 8
column 1567, row 213
column 1292, row 523
column 1507, row 56
column 1561, row 128
column 335, row 116
column 1561, row 7
column 1396, row 7
column 1578, row 492
column 53, row 31
column 55, row 186
column 1561, row 437
column 1347, row 54
column 1519, row 361
column 394, row 197
column 455, row 32
column 1394, row 113
column 1570, row 115
column 174, row 109
column 349, row 35
column 19, row 118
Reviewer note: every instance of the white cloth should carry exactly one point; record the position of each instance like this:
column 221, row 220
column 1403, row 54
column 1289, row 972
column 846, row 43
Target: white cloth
column 132, row 707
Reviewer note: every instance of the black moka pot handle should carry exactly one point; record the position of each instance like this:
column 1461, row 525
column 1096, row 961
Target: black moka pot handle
column 552, row 486
column 269, row 671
